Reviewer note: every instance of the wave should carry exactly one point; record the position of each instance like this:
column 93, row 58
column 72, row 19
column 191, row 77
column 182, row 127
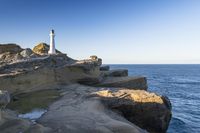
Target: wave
column 184, row 80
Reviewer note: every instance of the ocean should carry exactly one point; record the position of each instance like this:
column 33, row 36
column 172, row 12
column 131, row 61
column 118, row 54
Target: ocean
column 181, row 83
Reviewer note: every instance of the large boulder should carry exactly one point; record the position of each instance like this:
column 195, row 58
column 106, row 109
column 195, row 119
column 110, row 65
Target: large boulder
column 147, row 110
column 126, row 82
column 11, row 48
column 42, row 49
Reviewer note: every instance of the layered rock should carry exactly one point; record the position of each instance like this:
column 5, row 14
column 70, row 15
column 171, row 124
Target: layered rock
column 82, row 108
column 125, row 82
column 51, row 70
column 147, row 110
column 8, row 57
column 79, row 111
column 11, row 53
column 109, row 110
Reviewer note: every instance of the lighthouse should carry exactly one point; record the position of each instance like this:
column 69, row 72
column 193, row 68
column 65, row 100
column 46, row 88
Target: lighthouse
column 52, row 49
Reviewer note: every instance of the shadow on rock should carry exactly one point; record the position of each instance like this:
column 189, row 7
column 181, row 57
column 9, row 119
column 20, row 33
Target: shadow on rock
column 147, row 110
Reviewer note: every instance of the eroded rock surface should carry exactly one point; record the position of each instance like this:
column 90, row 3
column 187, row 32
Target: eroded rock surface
column 78, row 111
column 83, row 109
column 43, row 72
column 147, row 110
column 126, row 82
column 124, row 109
column 12, row 53
column 42, row 49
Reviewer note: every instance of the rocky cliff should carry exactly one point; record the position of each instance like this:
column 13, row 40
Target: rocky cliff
column 91, row 97
column 42, row 49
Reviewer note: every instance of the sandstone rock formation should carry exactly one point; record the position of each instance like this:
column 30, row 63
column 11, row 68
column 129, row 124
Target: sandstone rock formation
column 42, row 49
column 125, row 82
column 54, row 69
column 127, row 108
column 11, row 53
column 79, row 111
column 147, row 110
column 8, row 57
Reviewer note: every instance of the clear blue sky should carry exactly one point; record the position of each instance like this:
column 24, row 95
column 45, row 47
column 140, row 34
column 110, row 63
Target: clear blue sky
column 118, row 31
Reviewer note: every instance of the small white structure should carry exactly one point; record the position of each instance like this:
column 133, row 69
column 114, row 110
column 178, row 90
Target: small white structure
column 52, row 49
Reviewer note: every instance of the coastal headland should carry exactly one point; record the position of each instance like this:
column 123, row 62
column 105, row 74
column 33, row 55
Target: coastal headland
column 78, row 96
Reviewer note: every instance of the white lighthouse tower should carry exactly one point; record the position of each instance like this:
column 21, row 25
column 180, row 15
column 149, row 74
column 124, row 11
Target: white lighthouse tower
column 52, row 49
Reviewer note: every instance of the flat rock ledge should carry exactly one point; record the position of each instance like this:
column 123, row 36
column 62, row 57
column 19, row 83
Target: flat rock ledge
column 136, row 83
column 81, row 111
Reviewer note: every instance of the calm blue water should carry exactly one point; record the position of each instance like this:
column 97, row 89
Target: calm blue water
column 181, row 83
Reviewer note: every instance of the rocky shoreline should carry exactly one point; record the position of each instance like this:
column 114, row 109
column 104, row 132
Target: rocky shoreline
column 87, row 97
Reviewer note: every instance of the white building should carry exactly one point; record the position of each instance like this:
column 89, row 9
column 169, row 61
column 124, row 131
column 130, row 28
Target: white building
column 52, row 49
